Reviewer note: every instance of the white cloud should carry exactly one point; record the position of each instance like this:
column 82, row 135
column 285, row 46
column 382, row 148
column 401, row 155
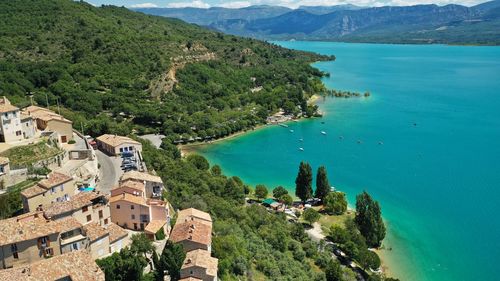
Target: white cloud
column 194, row 4
column 144, row 5
column 235, row 4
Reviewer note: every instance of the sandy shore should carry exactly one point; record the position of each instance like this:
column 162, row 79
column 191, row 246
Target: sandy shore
column 385, row 266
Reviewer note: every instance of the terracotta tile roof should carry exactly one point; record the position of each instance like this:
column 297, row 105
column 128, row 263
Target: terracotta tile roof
column 154, row 225
column 4, row 160
column 32, row 226
column 76, row 265
column 201, row 258
column 193, row 214
column 115, row 232
column 33, row 191
column 128, row 198
column 114, row 140
column 94, row 231
column 6, row 106
column 44, row 114
column 135, row 175
column 192, row 231
column 54, row 179
column 134, row 185
column 76, row 202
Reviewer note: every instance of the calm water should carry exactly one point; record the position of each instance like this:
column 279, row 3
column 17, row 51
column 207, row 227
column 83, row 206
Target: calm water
column 438, row 182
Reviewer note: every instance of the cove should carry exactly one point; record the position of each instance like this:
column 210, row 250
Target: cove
column 426, row 145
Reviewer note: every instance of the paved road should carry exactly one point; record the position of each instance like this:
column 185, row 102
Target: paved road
column 109, row 171
column 154, row 139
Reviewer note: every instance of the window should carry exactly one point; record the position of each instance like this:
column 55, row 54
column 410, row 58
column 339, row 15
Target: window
column 13, row 249
column 53, row 190
column 100, row 214
column 49, row 252
column 105, row 221
column 118, row 206
column 62, row 187
column 89, row 218
column 85, row 208
column 133, row 217
column 135, row 226
column 144, row 218
column 18, row 133
column 131, row 207
column 121, row 149
column 131, row 148
column 75, row 246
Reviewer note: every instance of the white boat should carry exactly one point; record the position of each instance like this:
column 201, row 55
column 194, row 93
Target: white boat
column 301, row 149
column 291, row 131
column 323, row 132
column 283, row 125
column 301, row 139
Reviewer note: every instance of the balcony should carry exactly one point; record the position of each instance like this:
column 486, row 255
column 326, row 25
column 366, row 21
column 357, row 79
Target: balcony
column 72, row 239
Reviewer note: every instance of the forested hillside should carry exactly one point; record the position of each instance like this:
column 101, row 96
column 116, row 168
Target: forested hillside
column 114, row 70
column 449, row 24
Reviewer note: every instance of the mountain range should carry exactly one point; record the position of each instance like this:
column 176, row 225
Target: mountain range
column 450, row 24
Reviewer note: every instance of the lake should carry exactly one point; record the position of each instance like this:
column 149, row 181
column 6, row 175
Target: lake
column 426, row 145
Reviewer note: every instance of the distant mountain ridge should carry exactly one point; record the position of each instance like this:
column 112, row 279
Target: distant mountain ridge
column 450, row 24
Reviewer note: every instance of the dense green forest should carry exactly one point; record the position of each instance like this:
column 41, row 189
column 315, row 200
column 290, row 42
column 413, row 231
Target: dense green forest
column 107, row 67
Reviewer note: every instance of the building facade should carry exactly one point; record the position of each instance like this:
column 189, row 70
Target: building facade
column 116, row 145
column 30, row 237
column 57, row 187
column 10, row 122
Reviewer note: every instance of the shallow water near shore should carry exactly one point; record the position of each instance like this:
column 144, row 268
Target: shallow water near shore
column 426, row 145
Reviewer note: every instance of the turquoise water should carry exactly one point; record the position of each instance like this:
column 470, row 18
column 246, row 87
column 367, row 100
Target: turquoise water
column 438, row 182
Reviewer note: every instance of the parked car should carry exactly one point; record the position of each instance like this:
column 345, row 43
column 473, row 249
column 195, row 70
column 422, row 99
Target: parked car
column 127, row 154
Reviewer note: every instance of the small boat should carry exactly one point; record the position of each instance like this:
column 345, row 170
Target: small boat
column 301, row 139
column 301, row 149
column 359, row 141
column 291, row 131
column 283, row 125
column 380, row 143
column 323, row 132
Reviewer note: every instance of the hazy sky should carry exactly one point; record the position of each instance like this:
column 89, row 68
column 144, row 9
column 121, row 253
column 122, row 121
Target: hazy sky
column 287, row 3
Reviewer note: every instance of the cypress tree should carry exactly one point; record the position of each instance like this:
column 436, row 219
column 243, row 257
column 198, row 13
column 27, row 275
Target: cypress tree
column 303, row 182
column 322, row 184
column 369, row 220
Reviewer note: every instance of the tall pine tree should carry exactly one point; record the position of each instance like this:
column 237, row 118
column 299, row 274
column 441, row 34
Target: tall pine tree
column 369, row 220
column 322, row 184
column 303, row 182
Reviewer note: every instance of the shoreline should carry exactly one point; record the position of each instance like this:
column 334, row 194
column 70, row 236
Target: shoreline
column 187, row 149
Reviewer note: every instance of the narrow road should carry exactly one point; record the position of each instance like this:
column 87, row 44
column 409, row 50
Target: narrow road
column 109, row 172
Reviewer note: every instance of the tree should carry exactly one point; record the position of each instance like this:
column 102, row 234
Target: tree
column 303, row 182
column 216, row 170
column 279, row 191
column 141, row 245
column 171, row 260
column 333, row 271
column 311, row 216
column 198, row 161
column 286, row 199
column 369, row 220
column 123, row 266
column 261, row 191
column 322, row 184
column 335, row 203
